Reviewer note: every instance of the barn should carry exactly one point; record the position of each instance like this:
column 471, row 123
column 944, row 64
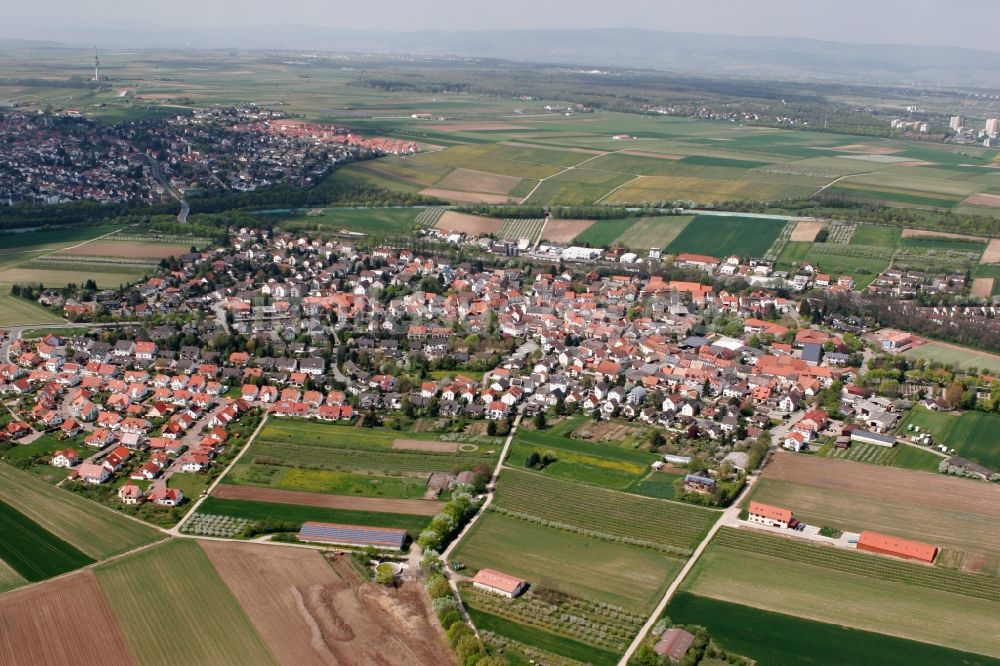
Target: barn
column 497, row 582
column 769, row 516
column 883, row 544
column 869, row 437
column 353, row 535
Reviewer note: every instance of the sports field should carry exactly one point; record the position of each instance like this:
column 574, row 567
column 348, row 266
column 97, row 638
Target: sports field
column 167, row 600
column 960, row 357
column 774, row 638
column 781, row 585
column 971, row 434
column 627, row 576
column 93, row 529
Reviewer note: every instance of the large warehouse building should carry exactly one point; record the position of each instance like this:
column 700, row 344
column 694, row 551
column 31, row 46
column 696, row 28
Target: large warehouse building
column 883, row 544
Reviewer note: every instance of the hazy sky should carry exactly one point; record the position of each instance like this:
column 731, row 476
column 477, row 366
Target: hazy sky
column 966, row 23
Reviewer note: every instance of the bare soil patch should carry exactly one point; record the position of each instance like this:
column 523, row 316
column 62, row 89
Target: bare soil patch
column 128, row 250
column 992, row 254
column 468, row 224
column 806, row 231
column 413, row 507
column 924, row 233
column 564, row 231
column 64, row 621
column 425, row 445
column 309, row 611
column 889, row 483
column 468, row 197
column 991, row 200
column 867, row 149
column 478, row 181
column 982, row 287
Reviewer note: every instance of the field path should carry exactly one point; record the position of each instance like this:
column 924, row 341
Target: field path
column 840, row 178
column 618, row 188
column 176, row 529
column 465, row 530
column 569, row 168
column 727, row 517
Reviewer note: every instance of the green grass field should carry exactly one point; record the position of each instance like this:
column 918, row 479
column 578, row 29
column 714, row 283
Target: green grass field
column 334, row 482
column 900, row 455
column 657, row 484
column 369, row 221
column 720, row 237
column 174, row 608
column 97, row 531
column 654, row 232
column 603, row 233
column 18, row 312
column 296, row 515
column 33, row 552
column 627, row 576
column 961, row 357
column 785, row 640
column 603, row 465
column 615, row 514
column 971, row 434
column 780, row 585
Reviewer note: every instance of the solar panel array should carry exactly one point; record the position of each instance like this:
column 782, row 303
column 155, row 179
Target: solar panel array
column 354, row 535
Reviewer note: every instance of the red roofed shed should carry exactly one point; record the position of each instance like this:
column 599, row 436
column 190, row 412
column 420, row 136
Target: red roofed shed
column 884, row 544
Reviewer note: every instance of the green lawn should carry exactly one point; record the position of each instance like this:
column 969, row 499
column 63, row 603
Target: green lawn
column 627, row 576
column 603, row 233
column 784, row 640
column 658, row 484
column 971, row 434
column 720, row 236
column 44, row 445
column 900, row 455
column 870, row 234
column 18, row 312
column 32, row 551
column 296, row 515
column 960, row 357
column 174, row 608
column 328, row 481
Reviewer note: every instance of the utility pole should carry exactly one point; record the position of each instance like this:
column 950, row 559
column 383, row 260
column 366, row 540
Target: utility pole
column 97, row 64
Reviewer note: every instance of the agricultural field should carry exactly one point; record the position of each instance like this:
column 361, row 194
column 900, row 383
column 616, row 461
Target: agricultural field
column 378, row 222
column 294, row 515
column 952, row 513
column 962, row 357
column 335, row 447
column 91, row 528
column 774, row 638
column 309, row 611
column 61, row 622
column 603, row 465
column 971, row 434
column 179, row 581
column 721, row 236
column 31, row 551
column 651, row 232
column 564, row 231
column 672, row 525
column 900, row 455
column 18, row 312
column 515, row 230
column 473, row 225
column 334, row 482
column 326, row 500
column 594, row 569
column 658, row 484
column 846, row 595
column 603, row 233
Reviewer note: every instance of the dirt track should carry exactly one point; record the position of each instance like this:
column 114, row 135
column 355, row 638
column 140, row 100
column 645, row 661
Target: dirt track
column 897, row 485
column 407, row 506
column 309, row 611
column 61, row 622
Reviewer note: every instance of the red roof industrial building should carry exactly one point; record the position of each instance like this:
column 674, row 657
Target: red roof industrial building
column 883, row 544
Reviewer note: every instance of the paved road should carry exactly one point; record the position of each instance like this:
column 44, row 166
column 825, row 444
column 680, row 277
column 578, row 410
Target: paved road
column 154, row 166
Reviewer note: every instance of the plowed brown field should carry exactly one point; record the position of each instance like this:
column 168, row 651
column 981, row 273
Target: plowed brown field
column 64, row 621
column 309, row 611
